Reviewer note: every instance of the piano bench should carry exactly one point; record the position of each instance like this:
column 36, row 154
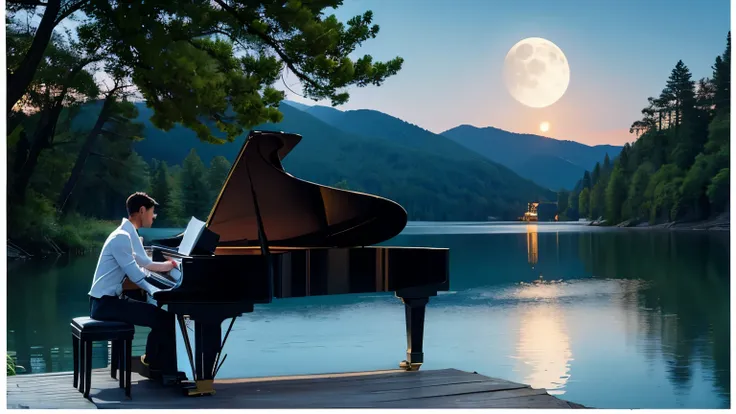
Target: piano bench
column 85, row 331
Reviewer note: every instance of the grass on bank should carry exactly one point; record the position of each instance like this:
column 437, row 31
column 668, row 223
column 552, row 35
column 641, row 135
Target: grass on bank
column 33, row 224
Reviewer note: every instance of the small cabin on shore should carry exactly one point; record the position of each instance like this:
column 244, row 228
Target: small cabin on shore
column 541, row 211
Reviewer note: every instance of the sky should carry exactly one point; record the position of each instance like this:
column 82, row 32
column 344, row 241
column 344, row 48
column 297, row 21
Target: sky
column 619, row 51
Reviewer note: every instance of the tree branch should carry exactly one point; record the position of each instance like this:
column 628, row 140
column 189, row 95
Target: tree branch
column 68, row 12
column 21, row 78
column 270, row 42
column 224, row 33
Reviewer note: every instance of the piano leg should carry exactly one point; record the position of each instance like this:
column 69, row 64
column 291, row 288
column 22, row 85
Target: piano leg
column 207, row 342
column 414, row 308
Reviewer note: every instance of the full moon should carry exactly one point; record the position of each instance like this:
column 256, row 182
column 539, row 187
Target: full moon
column 536, row 72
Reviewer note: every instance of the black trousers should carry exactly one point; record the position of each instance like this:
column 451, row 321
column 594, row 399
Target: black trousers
column 161, row 344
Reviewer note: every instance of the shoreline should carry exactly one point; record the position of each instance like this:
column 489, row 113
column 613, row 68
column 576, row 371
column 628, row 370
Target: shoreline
column 720, row 223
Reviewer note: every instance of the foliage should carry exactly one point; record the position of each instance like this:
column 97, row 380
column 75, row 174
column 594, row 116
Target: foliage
column 85, row 233
column 584, row 203
column 195, row 192
column 35, row 222
column 573, row 205
column 209, row 66
column 10, row 364
column 162, row 190
column 597, row 199
column 719, row 190
column 615, row 194
column 563, row 197
column 216, row 176
column 678, row 167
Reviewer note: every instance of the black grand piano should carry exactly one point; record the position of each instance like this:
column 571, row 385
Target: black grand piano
column 272, row 235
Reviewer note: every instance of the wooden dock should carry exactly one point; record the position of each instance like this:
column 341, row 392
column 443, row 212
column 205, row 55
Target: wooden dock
column 447, row 388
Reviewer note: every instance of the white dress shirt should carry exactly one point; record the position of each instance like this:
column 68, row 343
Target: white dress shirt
column 139, row 252
column 122, row 255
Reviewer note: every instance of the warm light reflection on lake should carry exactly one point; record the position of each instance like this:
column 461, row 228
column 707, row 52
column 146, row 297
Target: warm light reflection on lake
column 542, row 345
column 532, row 244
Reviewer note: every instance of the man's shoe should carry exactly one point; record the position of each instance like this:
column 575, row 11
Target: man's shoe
column 173, row 379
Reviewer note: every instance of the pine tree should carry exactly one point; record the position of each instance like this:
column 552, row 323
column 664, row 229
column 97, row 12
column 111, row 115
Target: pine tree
column 680, row 86
column 615, row 195
column 194, row 193
column 584, row 203
column 216, row 176
column 623, row 158
column 705, row 96
column 596, row 175
column 586, row 182
column 162, row 191
column 572, row 212
column 563, row 197
column 722, row 79
column 598, row 200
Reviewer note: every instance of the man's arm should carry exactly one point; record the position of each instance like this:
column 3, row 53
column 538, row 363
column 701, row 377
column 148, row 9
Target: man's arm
column 145, row 261
column 161, row 266
column 122, row 251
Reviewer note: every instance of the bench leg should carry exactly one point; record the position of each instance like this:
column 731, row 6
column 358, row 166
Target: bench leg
column 75, row 354
column 114, row 359
column 128, row 364
column 123, row 362
column 82, row 369
column 87, row 368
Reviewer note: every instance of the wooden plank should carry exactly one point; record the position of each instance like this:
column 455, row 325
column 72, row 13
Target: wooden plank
column 392, row 381
column 472, row 400
column 446, row 388
column 25, row 403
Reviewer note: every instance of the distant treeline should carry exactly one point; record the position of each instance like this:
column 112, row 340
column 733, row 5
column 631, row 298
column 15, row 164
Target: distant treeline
column 678, row 168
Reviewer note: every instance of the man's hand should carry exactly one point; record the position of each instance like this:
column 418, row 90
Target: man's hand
column 174, row 263
column 162, row 266
column 168, row 265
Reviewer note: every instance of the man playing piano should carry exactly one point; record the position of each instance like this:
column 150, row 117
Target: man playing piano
column 123, row 256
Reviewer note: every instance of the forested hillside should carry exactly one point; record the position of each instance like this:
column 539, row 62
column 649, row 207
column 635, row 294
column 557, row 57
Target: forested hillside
column 378, row 125
column 430, row 185
column 552, row 163
column 678, row 168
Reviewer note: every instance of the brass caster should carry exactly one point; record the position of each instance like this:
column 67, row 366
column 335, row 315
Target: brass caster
column 408, row 366
column 202, row 387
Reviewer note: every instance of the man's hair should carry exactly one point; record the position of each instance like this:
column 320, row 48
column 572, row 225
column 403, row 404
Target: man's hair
column 138, row 200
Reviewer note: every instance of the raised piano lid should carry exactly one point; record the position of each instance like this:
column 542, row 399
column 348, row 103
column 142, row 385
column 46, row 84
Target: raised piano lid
column 295, row 212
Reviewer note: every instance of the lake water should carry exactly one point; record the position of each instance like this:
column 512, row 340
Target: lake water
column 608, row 318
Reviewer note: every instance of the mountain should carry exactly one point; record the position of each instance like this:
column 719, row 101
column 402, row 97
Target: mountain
column 430, row 184
column 549, row 162
column 375, row 124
